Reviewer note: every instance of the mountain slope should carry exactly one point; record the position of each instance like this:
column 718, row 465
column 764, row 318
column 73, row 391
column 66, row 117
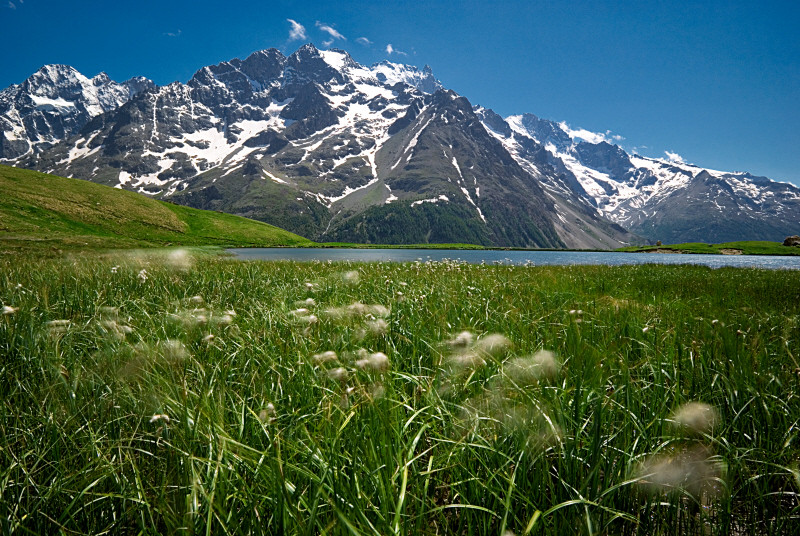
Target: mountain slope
column 316, row 143
column 665, row 200
column 54, row 103
column 37, row 209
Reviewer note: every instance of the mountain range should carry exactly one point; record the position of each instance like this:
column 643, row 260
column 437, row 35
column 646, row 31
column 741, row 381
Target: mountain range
column 333, row 150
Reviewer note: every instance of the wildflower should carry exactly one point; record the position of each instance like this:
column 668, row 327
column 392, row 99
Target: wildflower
column 57, row 327
column 308, row 302
column 142, row 275
column 223, row 320
column 267, row 414
column 692, row 470
column 180, row 259
column 208, row 338
column 114, row 269
column 493, row 344
column 197, row 301
column 338, row 374
column 351, row 277
column 174, row 350
column 160, row 417
column 527, row 370
column 645, row 329
column 325, row 357
column 300, row 312
column 8, row 310
column 378, row 326
column 466, row 360
column 695, row 417
column 378, row 362
column 231, row 312
column 461, row 340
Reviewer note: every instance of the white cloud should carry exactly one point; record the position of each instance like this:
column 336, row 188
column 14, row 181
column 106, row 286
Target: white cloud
column 11, row 5
column 297, row 31
column 364, row 41
column 327, row 43
column 173, row 34
column 582, row 133
column 330, row 30
column 674, row 157
column 391, row 50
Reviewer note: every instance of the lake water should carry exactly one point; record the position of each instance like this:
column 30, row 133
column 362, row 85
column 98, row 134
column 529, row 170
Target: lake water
column 520, row 258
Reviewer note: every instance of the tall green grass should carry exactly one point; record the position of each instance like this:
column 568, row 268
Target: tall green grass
column 133, row 419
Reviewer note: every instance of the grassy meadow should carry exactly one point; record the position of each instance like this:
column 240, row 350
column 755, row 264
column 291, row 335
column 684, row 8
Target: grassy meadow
column 744, row 247
column 169, row 393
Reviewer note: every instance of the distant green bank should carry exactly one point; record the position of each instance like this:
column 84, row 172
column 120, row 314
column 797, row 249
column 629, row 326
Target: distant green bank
column 40, row 212
column 751, row 247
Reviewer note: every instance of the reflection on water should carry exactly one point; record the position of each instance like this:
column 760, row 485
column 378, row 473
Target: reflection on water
column 514, row 257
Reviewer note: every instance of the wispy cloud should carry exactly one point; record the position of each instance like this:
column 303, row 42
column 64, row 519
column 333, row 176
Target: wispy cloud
column 173, row 34
column 297, row 31
column 391, row 50
column 11, row 5
column 330, row 31
column 674, row 157
column 364, row 41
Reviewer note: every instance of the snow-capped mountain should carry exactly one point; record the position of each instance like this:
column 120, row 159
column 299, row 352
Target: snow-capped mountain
column 655, row 198
column 318, row 144
column 54, row 103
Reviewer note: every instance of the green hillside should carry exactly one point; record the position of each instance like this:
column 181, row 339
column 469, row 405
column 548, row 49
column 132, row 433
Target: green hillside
column 40, row 211
column 747, row 247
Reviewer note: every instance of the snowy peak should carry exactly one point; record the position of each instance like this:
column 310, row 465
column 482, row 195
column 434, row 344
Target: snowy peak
column 55, row 102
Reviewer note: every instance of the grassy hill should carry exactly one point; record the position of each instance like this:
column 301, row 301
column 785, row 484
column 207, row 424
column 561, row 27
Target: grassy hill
column 747, row 247
column 40, row 211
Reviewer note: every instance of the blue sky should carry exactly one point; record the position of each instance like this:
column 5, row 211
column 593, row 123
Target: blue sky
column 716, row 83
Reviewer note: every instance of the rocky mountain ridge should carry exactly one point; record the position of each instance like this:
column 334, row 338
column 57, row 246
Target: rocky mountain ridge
column 320, row 145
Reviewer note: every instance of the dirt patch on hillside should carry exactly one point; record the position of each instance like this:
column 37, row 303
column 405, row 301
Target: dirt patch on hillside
column 730, row 251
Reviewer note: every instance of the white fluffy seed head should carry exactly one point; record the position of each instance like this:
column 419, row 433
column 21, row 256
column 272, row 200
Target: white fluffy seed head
column 142, row 275
column 493, row 344
column 695, row 417
column 8, row 310
column 462, row 340
column 338, row 374
column 531, row 369
column 693, row 470
column 352, row 277
column 325, row 357
column 160, row 417
column 180, row 259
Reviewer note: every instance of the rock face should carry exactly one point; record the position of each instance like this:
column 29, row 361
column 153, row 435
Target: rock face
column 336, row 151
column 53, row 104
column 659, row 199
column 793, row 240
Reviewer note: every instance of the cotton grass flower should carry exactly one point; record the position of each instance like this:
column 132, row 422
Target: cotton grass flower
column 529, row 370
column 173, row 350
column 377, row 362
column 352, row 277
column 160, row 417
column 325, row 357
column 462, row 340
column 695, row 418
column 8, row 310
column 492, row 344
column 338, row 374
column 268, row 414
column 180, row 259
column 693, row 470
column 142, row 275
